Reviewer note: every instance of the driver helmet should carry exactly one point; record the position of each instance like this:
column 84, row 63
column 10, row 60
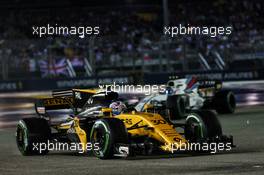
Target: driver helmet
column 117, row 107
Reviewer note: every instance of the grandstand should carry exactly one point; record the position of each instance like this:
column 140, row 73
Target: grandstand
column 131, row 40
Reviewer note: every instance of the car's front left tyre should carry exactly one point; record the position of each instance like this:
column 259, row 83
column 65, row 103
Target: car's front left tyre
column 105, row 134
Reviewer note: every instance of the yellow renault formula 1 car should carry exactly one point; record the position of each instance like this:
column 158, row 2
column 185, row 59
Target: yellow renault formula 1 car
column 87, row 120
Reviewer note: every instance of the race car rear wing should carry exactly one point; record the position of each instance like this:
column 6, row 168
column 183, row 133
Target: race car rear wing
column 63, row 99
column 204, row 84
column 62, row 93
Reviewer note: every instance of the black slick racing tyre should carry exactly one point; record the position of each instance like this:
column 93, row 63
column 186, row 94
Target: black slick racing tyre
column 105, row 134
column 30, row 133
column 202, row 125
column 176, row 107
column 224, row 102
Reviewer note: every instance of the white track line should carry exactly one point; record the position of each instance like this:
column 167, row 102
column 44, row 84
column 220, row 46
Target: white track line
column 24, row 94
column 18, row 112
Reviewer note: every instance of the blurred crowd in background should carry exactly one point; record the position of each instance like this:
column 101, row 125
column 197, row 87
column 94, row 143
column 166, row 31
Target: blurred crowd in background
column 129, row 38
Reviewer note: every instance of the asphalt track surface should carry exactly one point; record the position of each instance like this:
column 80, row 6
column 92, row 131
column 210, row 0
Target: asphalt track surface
column 246, row 125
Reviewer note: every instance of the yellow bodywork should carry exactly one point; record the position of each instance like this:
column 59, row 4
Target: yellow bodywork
column 81, row 133
column 146, row 124
column 75, row 125
column 153, row 126
column 137, row 123
column 88, row 91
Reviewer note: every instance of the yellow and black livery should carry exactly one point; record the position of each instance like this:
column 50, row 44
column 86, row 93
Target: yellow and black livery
column 126, row 134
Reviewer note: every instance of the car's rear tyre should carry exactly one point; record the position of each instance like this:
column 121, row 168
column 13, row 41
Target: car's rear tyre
column 105, row 134
column 176, row 107
column 201, row 125
column 224, row 102
column 30, row 133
